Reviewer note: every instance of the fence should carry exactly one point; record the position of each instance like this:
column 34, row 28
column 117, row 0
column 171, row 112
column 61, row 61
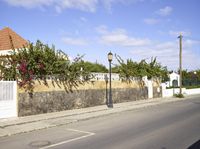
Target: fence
column 8, row 99
column 191, row 82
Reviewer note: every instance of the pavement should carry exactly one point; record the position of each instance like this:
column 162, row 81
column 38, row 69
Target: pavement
column 12, row 126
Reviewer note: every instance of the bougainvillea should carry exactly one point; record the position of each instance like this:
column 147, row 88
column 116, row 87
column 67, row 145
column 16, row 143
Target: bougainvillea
column 39, row 61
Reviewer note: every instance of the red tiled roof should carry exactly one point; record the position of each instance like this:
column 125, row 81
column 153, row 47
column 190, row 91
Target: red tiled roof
column 9, row 40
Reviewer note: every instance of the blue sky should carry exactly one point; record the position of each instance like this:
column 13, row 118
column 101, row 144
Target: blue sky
column 136, row 29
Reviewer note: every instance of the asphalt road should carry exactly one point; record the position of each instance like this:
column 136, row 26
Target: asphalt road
column 168, row 126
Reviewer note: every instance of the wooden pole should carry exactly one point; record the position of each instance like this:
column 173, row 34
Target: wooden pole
column 180, row 62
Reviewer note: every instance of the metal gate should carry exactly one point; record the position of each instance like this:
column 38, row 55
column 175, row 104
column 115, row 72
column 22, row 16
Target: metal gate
column 8, row 99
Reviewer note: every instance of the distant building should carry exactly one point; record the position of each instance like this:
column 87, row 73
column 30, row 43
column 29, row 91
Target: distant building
column 173, row 80
column 10, row 40
column 105, row 77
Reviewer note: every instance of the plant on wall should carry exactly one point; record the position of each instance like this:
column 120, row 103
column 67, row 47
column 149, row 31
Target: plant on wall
column 129, row 69
column 39, row 61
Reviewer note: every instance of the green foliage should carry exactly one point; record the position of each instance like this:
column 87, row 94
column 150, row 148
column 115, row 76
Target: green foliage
column 198, row 74
column 116, row 69
column 191, row 78
column 94, row 67
column 191, row 74
column 171, row 87
column 39, row 61
column 192, row 87
column 179, row 95
column 130, row 69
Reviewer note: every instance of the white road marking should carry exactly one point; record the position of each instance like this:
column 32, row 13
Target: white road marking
column 70, row 140
column 87, row 132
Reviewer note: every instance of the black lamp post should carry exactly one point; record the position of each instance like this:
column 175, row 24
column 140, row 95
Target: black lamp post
column 110, row 103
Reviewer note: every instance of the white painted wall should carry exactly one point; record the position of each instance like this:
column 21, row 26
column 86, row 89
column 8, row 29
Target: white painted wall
column 150, row 89
column 8, row 99
column 5, row 52
column 101, row 76
column 193, row 91
column 171, row 92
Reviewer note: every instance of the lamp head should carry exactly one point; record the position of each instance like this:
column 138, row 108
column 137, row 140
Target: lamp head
column 110, row 56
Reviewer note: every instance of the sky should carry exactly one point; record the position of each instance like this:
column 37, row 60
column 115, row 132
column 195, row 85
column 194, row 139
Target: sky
column 136, row 29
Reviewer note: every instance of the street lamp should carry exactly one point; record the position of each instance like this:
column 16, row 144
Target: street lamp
column 110, row 103
column 195, row 78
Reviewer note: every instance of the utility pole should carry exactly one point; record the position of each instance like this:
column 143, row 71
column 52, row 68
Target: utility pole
column 180, row 62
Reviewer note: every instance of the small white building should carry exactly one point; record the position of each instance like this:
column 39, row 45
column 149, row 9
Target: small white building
column 173, row 80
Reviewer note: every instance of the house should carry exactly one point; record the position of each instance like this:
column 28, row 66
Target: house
column 173, row 80
column 10, row 40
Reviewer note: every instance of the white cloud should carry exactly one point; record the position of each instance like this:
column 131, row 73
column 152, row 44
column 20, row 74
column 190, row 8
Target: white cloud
column 151, row 21
column 177, row 33
column 168, row 54
column 60, row 5
column 83, row 19
column 109, row 3
column 29, row 3
column 188, row 43
column 102, row 29
column 164, row 50
column 165, row 11
column 162, row 12
column 74, row 41
column 84, row 5
column 166, row 45
column 120, row 37
column 123, row 40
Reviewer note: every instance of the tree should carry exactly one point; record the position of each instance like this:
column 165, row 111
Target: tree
column 198, row 74
column 127, row 70
column 191, row 78
column 116, row 69
column 94, row 67
column 130, row 69
column 157, row 70
column 37, row 62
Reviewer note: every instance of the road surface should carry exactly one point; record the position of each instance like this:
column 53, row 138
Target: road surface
column 173, row 125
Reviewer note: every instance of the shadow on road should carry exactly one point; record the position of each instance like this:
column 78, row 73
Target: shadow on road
column 196, row 145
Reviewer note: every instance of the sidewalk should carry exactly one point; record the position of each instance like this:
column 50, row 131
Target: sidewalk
column 18, row 125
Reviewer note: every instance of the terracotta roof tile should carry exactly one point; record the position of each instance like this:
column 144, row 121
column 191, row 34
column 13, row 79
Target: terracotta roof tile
column 9, row 40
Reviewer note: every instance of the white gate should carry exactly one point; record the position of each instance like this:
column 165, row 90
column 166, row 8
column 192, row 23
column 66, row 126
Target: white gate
column 8, row 99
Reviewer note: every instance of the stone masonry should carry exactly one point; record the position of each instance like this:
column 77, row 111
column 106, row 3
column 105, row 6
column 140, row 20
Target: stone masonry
column 52, row 101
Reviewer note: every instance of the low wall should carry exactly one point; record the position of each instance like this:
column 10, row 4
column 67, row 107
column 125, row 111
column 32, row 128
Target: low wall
column 172, row 91
column 193, row 91
column 52, row 101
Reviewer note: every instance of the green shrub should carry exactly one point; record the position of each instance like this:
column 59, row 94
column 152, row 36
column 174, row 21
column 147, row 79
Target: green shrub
column 193, row 86
column 179, row 95
column 172, row 87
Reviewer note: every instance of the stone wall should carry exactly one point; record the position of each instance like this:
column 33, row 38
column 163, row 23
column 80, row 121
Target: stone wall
column 157, row 92
column 52, row 101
